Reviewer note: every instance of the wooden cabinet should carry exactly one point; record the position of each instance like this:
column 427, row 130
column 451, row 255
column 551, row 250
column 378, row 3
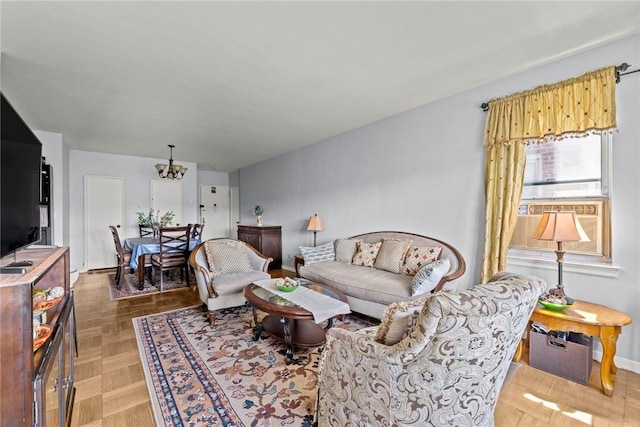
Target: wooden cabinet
column 267, row 239
column 37, row 387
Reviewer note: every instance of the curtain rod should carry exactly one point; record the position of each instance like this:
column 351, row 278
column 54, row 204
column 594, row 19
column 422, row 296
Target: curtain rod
column 619, row 72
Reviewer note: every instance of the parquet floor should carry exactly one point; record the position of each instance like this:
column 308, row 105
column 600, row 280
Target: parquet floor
column 111, row 390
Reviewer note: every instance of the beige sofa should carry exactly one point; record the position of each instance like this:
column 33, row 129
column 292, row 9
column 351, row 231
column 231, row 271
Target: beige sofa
column 370, row 290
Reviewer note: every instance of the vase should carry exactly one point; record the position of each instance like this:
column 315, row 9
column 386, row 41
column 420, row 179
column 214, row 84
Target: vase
column 259, row 219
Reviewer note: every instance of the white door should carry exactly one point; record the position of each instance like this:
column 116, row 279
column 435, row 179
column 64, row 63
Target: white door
column 235, row 212
column 103, row 206
column 214, row 211
column 166, row 195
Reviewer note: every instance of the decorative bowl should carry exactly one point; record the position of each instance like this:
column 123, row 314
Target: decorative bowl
column 551, row 306
column 286, row 288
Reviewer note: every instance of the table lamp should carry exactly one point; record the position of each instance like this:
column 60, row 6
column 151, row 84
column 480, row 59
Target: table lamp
column 315, row 225
column 560, row 227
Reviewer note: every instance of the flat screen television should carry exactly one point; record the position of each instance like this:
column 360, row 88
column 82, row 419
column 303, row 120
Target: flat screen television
column 20, row 170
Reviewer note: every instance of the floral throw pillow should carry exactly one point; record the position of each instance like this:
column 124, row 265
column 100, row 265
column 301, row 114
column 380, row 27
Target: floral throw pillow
column 398, row 320
column 428, row 277
column 419, row 256
column 367, row 253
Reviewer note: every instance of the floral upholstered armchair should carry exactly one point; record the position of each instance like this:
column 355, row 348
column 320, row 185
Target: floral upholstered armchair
column 447, row 367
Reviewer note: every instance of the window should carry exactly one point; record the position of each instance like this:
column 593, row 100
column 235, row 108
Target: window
column 570, row 174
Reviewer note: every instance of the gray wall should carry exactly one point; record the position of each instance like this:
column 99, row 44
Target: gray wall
column 423, row 171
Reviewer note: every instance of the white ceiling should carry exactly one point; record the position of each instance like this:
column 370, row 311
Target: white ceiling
column 234, row 83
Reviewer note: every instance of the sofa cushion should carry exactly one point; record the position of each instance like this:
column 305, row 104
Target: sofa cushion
column 224, row 258
column 233, row 283
column 398, row 321
column 367, row 253
column 391, row 255
column 419, row 256
column 429, row 276
column 364, row 283
column 346, row 249
column 320, row 253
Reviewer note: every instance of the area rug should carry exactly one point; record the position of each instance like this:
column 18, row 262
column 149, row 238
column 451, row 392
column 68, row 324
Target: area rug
column 129, row 288
column 199, row 375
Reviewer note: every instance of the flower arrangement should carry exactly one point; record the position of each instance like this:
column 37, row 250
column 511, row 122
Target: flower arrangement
column 258, row 210
column 153, row 219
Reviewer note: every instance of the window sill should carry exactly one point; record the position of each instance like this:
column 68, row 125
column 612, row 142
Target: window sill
column 590, row 268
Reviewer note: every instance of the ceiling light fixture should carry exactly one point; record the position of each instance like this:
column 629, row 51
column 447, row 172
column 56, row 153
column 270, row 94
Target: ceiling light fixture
column 172, row 171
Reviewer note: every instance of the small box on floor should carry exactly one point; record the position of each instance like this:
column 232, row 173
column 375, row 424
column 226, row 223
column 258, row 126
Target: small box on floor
column 571, row 358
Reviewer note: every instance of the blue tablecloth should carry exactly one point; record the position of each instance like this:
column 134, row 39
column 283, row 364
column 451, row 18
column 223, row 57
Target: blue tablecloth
column 146, row 245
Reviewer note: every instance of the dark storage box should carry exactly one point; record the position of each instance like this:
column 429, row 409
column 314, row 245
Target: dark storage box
column 569, row 359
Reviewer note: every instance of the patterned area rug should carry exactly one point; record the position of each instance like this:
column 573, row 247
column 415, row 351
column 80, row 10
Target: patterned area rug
column 129, row 288
column 199, row 375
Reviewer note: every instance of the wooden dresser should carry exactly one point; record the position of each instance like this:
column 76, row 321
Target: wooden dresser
column 267, row 239
column 37, row 387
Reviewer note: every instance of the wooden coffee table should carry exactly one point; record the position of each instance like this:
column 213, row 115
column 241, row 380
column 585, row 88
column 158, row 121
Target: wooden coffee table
column 286, row 321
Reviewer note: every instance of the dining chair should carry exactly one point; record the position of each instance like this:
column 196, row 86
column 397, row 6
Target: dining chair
column 145, row 231
column 174, row 253
column 196, row 231
column 123, row 257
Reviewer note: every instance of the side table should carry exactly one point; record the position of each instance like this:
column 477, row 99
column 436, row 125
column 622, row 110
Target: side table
column 594, row 320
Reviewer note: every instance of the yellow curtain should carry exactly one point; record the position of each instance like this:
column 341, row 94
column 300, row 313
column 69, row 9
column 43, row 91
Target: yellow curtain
column 577, row 106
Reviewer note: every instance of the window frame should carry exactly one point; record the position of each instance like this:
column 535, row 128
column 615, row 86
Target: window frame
column 604, row 259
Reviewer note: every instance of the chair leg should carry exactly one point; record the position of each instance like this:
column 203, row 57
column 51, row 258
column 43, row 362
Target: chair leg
column 117, row 278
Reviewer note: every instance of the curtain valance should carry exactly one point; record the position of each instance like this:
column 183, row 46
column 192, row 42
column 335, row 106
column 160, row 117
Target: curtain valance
column 580, row 105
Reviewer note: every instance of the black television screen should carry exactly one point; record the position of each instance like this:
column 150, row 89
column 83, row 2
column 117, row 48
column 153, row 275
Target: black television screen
column 20, row 170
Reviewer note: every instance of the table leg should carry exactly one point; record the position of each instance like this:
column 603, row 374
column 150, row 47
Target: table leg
column 518, row 354
column 608, row 339
column 287, row 340
column 141, row 271
column 258, row 328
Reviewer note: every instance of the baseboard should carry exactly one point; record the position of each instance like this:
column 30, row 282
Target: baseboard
column 621, row 362
column 288, row 268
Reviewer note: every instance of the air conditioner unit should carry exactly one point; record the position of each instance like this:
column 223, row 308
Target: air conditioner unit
column 590, row 214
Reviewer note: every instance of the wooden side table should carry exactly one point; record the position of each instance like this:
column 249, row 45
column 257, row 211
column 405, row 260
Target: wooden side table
column 594, row 320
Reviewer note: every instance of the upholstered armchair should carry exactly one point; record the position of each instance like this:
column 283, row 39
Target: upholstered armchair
column 447, row 368
column 223, row 267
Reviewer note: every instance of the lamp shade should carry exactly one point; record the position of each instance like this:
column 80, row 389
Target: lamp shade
column 315, row 223
column 560, row 227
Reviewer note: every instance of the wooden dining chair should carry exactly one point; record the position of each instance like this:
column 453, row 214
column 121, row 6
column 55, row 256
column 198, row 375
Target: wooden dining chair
column 196, row 231
column 145, row 231
column 174, row 253
column 124, row 258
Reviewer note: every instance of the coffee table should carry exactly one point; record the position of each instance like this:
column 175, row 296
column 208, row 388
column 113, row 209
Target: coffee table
column 286, row 321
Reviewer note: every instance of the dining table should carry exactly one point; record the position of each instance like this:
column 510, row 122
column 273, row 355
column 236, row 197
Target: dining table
column 140, row 247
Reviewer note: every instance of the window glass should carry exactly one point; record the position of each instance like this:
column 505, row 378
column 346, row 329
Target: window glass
column 570, row 174
column 568, row 168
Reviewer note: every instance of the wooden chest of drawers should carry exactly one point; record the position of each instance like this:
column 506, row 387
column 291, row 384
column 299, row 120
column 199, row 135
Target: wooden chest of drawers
column 267, row 239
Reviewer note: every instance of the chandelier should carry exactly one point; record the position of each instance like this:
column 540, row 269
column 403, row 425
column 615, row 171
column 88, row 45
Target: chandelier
column 171, row 171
